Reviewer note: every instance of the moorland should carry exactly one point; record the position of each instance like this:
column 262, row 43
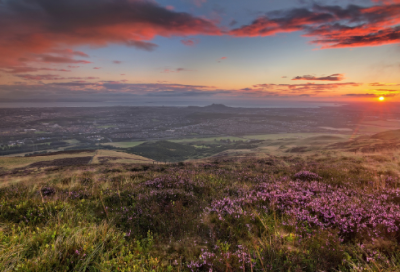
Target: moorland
column 285, row 202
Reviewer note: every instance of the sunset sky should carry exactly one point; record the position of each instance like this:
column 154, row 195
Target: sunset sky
column 261, row 50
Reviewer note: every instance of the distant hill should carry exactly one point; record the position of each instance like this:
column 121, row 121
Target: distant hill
column 383, row 141
column 392, row 135
column 216, row 106
column 213, row 108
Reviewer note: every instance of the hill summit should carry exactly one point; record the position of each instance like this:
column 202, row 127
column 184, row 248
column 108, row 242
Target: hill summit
column 217, row 106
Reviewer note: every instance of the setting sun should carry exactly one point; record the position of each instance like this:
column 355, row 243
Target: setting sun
column 381, row 98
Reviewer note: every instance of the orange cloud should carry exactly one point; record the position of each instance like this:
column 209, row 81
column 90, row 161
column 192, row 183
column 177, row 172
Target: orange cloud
column 378, row 84
column 369, row 95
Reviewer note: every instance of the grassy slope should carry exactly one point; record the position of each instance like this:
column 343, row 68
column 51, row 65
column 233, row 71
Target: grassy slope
column 393, row 135
column 212, row 214
column 155, row 218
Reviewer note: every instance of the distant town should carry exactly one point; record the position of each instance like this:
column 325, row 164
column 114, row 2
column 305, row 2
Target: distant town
column 27, row 130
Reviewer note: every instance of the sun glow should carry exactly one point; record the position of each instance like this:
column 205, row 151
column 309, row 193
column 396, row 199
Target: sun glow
column 381, row 98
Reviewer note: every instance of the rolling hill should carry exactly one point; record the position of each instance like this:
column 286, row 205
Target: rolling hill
column 383, row 141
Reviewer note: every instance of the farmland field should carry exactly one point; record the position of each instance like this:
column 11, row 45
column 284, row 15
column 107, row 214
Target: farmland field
column 290, row 136
column 123, row 144
column 109, row 156
column 207, row 139
column 10, row 163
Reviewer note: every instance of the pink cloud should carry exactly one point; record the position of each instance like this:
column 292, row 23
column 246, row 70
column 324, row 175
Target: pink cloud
column 221, row 59
column 58, row 59
column 190, row 42
column 51, row 77
column 26, row 69
column 332, row 26
column 70, row 52
column 199, row 3
column 177, row 70
column 75, row 23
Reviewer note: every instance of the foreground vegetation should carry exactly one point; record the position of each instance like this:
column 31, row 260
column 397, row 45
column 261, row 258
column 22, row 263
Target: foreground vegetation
column 269, row 214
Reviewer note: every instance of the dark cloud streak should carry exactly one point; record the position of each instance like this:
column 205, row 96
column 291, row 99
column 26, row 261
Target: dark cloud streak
column 334, row 77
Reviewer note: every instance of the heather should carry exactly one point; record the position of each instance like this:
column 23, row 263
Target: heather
column 272, row 214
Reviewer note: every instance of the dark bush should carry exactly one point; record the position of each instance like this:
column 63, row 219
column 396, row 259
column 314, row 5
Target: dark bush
column 48, row 191
column 307, row 176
